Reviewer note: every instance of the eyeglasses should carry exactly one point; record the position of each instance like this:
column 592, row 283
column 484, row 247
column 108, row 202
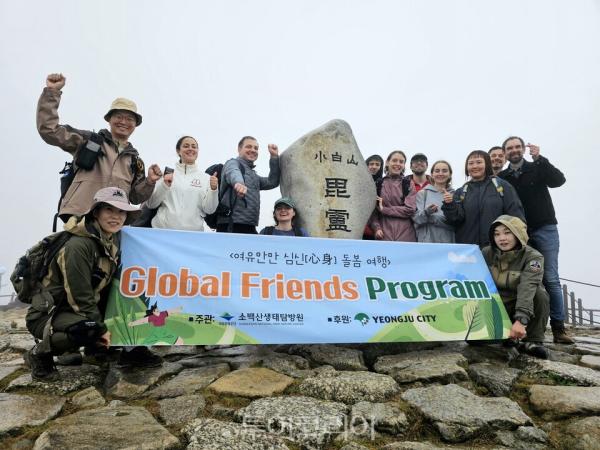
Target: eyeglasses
column 124, row 118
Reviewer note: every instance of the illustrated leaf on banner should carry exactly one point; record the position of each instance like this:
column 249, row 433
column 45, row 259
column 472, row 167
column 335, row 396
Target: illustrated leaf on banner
column 471, row 316
column 494, row 320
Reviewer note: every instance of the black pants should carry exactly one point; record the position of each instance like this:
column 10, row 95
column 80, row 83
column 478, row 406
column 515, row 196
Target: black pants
column 237, row 228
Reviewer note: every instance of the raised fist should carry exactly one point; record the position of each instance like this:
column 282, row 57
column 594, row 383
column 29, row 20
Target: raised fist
column 55, row 81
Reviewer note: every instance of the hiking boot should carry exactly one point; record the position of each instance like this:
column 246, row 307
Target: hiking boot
column 41, row 365
column 560, row 333
column 535, row 349
column 139, row 357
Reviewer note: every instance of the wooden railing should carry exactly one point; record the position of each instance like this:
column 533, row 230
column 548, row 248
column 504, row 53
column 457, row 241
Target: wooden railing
column 575, row 313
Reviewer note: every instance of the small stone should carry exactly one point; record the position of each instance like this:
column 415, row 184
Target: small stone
column 563, row 401
column 582, row 434
column 252, row 383
column 429, row 365
column 182, row 409
column 204, row 433
column 24, row 410
column 339, row 358
column 305, row 420
column 496, row 378
column 350, row 387
column 88, row 398
column 107, row 428
column 459, row 415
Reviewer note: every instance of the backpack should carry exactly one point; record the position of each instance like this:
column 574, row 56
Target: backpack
column 222, row 209
column 499, row 188
column 85, row 158
column 145, row 218
column 405, row 186
column 32, row 267
column 269, row 231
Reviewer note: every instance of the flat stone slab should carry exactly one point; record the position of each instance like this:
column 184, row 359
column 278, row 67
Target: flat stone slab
column 252, row 383
column 428, row 365
column 133, row 382
column 72, row 378
column 189, row 381
column 523, row 438
column 587, row 339
column 587, row 349
column 581, row 376
column 495, row 378
column 372, row 351
column 339, row 358
column 235, row 362
column 24, row 410
column 583, row 434
column 459, row 415
column 88, row 398
column 305, row 420
column 350, row 387
column 6, row 371
column 205, row 433
column 593, row 362
column 291, row 365
column 180, row 410
column 385, row 417
column 107, row 428
column 20, row 342
column 562, row 401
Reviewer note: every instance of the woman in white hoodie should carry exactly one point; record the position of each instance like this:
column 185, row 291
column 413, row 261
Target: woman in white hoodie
column 187, row 195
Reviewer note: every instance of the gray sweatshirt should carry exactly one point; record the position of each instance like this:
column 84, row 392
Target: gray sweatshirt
column 432, row 227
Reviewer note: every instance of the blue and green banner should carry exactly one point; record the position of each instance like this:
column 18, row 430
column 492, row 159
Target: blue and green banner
column 187, row 288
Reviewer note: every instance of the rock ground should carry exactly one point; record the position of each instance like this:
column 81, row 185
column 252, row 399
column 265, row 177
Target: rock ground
column 355, row 397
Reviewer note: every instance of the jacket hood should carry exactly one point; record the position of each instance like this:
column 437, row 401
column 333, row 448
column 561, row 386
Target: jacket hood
column 84, row 227
column 514, row 224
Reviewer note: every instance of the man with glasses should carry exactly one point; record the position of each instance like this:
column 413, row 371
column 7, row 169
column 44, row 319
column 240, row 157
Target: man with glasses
column 101, row 159
column 418, row 166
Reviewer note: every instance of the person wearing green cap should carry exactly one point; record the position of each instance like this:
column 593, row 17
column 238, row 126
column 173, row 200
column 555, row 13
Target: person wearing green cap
column 285, row 216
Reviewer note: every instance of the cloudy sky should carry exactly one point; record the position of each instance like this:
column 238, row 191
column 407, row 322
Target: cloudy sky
column 442, row 77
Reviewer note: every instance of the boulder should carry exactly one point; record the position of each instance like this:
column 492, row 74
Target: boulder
column 180, row 410
column 107, row 428
column 349, row 387
column 338, row 357
column 205, row 433
column 305, row 420
column 562, row 401
column 495, row 378
column 569, row 373
column 428, row 365
column 326, row 175
column 459, row 415
column 252, row 382
column 385, row 417
column 24, row 410
column 189, row 381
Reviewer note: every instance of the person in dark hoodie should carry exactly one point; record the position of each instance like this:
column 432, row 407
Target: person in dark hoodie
column 375, row 168
column 518, row 270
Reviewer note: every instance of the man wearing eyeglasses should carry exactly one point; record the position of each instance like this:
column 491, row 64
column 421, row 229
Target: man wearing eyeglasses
column 103, row 159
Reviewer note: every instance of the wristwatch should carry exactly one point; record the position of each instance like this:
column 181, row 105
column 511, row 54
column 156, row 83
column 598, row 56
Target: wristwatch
column 524, row 321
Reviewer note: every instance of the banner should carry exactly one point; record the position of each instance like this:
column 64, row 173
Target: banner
column 188, row 288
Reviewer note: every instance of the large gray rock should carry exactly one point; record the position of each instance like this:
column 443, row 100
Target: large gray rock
column 570, row 373
column 429, row 365
column 459, row 415
column 524, row 438
column 583, row 434
column 189, row 381
column 305, row 420
column 385, row 417
column 291, row 365
column 350, row 387
column 593, row 362
column 180, row 410
column 496, row 378
column 372, row 351
column 325, row 173
column 251, row 382
column 22, row 410
column 205, row 434
column 563, row 401
column 72, row 378
column 132, row 382
column 107, row 428
column 339, row 358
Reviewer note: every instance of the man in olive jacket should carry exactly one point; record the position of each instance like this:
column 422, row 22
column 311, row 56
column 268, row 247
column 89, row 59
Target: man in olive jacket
column 517, row 270
column 113, row 161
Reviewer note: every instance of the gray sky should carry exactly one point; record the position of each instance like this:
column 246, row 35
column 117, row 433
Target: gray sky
column 440, row 77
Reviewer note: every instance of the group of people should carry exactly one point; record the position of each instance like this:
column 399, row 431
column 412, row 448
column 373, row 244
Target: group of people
column 108, row 175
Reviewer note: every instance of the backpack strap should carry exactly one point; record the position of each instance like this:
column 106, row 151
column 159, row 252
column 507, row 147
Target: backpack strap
column 297, row 232
column 499, row 187
column 269, row 231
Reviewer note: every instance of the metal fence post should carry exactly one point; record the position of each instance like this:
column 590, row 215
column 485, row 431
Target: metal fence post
column 566, row 303
column 580, row 311
column 573, row 315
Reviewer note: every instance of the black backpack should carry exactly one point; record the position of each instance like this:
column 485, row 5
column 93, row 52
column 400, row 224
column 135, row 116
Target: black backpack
column 222, row 209
column 32, row 267
column 405, row 186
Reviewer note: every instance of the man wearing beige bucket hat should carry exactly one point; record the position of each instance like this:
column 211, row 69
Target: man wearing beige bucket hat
column 101, row 159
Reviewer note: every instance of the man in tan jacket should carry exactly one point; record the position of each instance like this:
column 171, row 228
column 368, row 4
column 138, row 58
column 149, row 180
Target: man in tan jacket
column 101, row 159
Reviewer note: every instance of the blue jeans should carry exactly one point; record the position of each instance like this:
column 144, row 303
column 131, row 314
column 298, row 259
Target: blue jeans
column 545, row 240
